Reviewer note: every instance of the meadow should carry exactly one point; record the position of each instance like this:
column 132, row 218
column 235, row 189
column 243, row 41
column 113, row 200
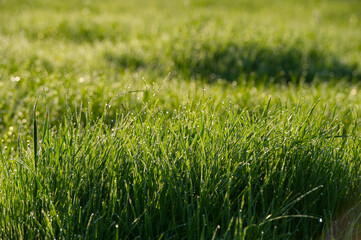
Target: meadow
column 201, row 119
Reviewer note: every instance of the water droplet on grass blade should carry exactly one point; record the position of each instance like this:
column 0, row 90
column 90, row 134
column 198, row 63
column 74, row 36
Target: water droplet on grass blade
column 15, row 79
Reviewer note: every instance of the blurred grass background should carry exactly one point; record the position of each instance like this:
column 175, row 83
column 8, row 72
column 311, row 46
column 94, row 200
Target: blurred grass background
column 85, row 52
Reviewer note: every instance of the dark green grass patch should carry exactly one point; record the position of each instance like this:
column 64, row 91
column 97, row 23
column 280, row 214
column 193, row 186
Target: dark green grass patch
column 283, row 63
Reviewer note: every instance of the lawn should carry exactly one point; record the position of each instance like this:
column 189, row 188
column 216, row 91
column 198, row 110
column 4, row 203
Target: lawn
column 201, row 119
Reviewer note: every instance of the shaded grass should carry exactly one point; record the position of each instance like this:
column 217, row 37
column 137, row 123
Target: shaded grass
column 234, row 62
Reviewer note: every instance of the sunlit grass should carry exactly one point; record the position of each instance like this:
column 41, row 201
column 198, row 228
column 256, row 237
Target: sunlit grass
column 187, row 120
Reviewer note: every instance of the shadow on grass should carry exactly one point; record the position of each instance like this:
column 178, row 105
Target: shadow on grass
column 231, row 61
column 126, row 60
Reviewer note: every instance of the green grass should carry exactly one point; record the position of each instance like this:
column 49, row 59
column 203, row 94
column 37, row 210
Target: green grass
column 185, row 119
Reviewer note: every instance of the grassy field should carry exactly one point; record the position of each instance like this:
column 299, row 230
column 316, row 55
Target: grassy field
column 185, row 119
